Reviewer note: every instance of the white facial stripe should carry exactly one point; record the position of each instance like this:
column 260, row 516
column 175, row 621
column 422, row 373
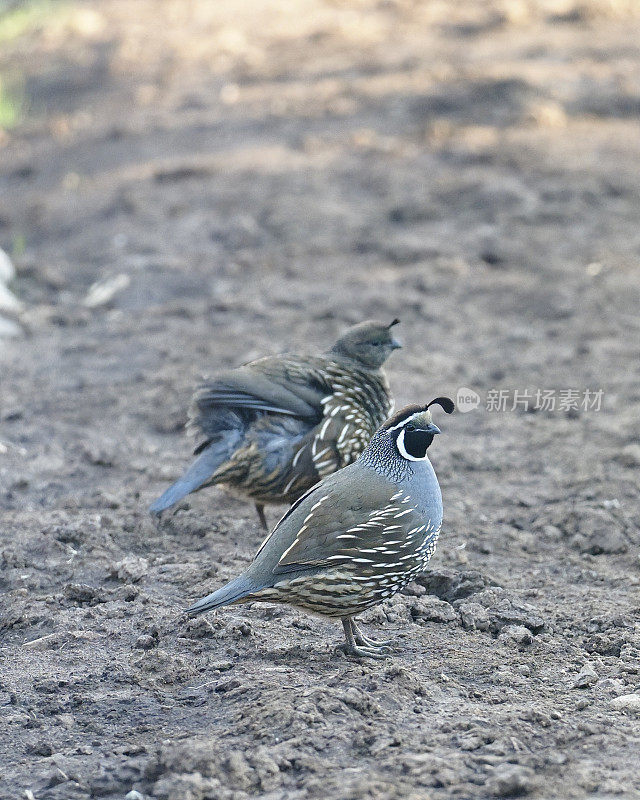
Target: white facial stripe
column 404, row 422
column 402, row 450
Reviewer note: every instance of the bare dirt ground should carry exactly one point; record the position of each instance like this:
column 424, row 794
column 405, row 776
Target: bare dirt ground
column 264, row 174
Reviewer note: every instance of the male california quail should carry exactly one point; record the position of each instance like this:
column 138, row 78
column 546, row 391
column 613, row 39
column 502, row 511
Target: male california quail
column 274, row 427
column 355, row 538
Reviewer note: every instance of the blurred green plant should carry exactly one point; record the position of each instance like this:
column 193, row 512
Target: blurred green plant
column 20, row 16
column 17, row 18
column 18, row 245
column 12, row 103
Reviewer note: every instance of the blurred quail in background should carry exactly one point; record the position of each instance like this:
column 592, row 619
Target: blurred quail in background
column 355, row 538
column 273, row 428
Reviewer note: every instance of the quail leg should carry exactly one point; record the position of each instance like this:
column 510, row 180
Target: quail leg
column 352, row 648
column 365, row 641
column 262, row 517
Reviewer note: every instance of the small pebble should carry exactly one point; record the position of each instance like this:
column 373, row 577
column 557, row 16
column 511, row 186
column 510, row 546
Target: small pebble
column 585, row 678
column 146, row 642
column 517, row 634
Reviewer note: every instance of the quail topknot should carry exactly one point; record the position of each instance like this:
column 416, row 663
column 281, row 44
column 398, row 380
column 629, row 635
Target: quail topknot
column 273, row 428
column 355, row 538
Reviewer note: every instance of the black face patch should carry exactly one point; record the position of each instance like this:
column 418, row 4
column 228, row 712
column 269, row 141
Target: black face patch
column 416, row 442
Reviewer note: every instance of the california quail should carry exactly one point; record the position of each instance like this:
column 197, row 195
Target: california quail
column 274, row 427
column 355, row 538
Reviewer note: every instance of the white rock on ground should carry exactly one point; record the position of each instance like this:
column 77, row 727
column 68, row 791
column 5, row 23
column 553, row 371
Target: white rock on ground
column 627, row 702
column 7, row 270
column 102, row 292
column 8, row 301
column 9, row 329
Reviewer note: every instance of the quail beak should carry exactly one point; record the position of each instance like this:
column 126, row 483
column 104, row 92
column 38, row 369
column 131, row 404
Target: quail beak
column 433, row 429
column 395, row 344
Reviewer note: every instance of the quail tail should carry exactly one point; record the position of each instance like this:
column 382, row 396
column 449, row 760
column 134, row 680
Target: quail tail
column 231, row 593
column 195, row 477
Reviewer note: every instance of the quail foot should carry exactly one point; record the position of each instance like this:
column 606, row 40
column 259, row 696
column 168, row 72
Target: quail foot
column 273, row 428
column 355, row 538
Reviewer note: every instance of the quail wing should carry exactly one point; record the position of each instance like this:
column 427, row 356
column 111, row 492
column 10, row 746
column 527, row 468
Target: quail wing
column 331, row 525
column 284, row 385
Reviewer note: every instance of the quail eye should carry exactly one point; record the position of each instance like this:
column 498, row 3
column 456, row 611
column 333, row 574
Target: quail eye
column 411, row 427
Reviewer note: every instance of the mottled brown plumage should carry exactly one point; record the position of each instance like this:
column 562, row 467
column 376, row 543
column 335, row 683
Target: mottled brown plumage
column 274, row 427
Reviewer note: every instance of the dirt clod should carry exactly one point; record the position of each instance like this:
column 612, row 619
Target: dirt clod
column 511, row 781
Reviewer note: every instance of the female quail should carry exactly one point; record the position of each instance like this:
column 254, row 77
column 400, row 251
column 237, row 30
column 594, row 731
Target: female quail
column 274, row 427
column 357, row 537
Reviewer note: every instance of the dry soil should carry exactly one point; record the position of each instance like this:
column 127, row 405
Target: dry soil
column 251, row 178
